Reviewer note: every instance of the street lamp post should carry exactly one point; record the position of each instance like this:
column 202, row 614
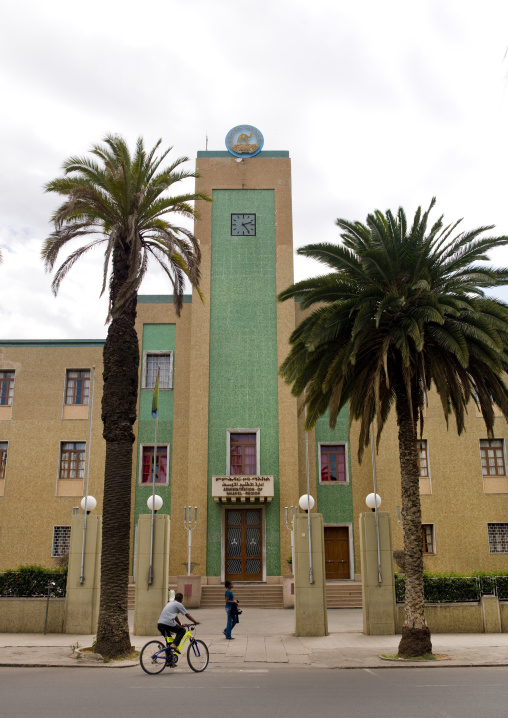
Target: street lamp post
column 190, row 525
column 88, row 503
column 373, row 501
column 306, row 503
column 154, row 503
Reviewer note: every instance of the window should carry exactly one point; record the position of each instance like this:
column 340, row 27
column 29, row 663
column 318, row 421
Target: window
column 61, row 541
column 161, row 464
column 77, row 386
column 498, row 538
column 6, row 388
column 423, row 459
column 428, row 538
column 242, row 454
column 3, row 459
column 333, row 463
column 154, row 361
column 492, row 455
column 72, row 460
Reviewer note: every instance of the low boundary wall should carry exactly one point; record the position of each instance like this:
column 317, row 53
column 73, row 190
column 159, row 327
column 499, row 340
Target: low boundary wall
column 27, row 615
column 488, row 616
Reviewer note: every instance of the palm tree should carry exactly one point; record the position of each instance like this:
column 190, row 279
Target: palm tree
column 403, row 309
column 119, row 201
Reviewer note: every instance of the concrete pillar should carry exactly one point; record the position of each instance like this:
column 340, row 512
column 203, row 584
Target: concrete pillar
column 491, row 615
column 311, row 618
column 288, row 590
column 190, row 587
column 151, row 599
column 82, row 599
column 378, row 598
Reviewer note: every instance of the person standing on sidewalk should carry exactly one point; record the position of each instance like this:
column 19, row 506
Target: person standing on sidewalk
column 232, row 615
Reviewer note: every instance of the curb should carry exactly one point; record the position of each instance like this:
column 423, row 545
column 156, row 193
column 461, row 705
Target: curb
column 318, row 666
column 67, row 665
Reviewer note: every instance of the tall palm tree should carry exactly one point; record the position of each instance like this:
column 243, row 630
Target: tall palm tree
column 120, row 201
column 403, row 309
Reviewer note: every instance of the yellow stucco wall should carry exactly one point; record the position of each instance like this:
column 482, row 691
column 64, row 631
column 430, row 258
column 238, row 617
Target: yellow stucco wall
column 30, row 505
column 458, row 505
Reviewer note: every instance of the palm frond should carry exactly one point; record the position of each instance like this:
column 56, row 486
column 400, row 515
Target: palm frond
column 123, row 198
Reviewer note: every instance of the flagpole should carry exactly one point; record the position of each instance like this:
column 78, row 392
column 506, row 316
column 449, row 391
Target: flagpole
column 150, row 575
column 85, row 512
column 155, row 408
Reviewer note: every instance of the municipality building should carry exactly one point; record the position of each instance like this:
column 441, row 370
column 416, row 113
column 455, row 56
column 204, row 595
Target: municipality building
column 230, row 435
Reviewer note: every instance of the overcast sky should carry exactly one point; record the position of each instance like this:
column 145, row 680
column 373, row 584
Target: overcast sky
column 380, row 104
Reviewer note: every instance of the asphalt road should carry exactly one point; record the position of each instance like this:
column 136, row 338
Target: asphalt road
column 284, row 692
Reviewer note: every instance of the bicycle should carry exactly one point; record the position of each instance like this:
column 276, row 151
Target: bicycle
column 153, row 658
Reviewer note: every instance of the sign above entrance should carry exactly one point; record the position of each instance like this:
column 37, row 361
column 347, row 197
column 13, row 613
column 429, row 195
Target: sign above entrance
column 242, row 488
column 244, row 141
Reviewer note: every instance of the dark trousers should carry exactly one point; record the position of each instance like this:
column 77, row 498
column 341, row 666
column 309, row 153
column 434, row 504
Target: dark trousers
column 231, row 623
column 166, row 630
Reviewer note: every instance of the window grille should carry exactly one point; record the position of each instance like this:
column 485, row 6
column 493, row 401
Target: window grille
column 61, row 541
column 498, row 538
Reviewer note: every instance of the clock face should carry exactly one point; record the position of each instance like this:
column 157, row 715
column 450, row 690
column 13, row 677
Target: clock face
column 243, row 225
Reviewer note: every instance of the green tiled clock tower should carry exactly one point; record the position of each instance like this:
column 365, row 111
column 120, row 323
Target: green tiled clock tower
column 246, row 241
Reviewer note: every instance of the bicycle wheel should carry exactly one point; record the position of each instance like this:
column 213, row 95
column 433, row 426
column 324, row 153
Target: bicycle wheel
column 152, row 662
column 197, row 656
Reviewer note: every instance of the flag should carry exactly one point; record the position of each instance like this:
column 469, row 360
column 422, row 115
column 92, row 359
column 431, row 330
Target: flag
column 155, row 399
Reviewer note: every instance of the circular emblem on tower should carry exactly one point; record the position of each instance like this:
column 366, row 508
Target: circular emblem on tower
column 244, row 141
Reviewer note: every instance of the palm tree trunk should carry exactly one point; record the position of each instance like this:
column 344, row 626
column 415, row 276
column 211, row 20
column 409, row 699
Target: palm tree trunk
column 121, row 368
column 415, row 639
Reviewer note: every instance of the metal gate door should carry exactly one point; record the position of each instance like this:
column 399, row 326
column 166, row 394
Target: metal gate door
column 244, row 551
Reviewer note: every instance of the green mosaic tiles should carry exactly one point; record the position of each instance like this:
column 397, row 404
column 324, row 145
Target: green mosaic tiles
column 334, row 501
column 243, row 352
column 156, row 337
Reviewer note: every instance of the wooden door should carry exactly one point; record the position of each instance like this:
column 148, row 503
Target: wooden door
column 337, row 553
column 244, row 550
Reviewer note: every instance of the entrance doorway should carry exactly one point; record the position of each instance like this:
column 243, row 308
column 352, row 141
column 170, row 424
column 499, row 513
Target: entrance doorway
column 244, row 550
column 337, row 553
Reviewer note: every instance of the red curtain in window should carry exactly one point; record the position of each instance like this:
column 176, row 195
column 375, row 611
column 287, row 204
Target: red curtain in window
column 243, row 454
column 333, row 463
column 161, row 465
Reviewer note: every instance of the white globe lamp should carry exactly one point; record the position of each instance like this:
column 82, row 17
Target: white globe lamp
column 89, row 502
column 306, row 502
column 373, row 501
column 154, row 502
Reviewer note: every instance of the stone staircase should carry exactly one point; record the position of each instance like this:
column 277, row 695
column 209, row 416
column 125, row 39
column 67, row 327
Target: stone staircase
column 344, row 595
column 250, row 595
column 338, row 595
column 131, row 595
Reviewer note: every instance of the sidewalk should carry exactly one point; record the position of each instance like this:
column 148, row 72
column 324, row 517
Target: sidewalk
column 344, row 647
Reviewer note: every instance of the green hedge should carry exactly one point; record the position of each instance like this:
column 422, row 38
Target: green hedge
column 32, row 581
column 456, row 588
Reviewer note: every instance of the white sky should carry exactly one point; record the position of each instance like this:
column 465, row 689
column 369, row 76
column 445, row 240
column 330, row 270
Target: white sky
column 380, row 104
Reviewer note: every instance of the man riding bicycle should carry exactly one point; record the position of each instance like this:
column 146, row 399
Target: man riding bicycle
column 169, row 622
